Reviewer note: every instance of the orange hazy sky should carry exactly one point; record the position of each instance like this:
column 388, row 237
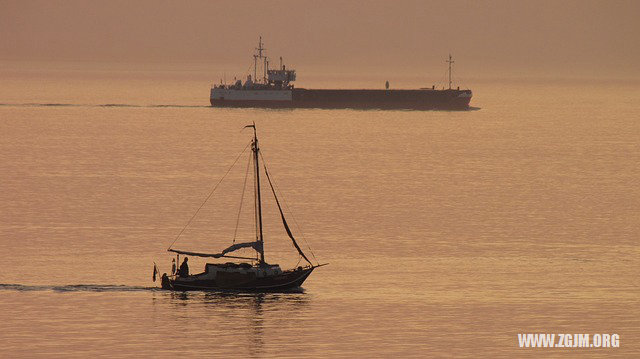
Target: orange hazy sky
column 572, row 38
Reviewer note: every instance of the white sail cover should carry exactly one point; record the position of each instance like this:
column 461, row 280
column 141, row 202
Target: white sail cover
column 257, row 245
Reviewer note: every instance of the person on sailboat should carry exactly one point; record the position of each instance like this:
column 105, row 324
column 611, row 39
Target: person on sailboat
column 184, row 268
column 173, row 266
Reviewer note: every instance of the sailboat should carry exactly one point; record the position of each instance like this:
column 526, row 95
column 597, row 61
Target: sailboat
column 252, row 273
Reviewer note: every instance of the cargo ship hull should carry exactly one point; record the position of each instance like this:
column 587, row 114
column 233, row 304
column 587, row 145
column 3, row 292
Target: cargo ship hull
column 422, row 99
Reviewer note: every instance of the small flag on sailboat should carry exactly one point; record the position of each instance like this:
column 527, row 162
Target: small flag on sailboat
column 155, row 271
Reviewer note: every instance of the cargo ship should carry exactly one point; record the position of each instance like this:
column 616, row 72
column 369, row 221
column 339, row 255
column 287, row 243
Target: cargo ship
column 276, row 90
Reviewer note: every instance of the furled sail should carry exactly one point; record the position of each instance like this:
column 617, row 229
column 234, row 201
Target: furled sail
column 284, row 221
column 257, row 245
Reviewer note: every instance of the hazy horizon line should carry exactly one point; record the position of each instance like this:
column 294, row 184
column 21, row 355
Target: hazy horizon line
column 218, row 71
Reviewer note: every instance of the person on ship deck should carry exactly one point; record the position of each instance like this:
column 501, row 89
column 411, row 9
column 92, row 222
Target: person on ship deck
column 184, row 268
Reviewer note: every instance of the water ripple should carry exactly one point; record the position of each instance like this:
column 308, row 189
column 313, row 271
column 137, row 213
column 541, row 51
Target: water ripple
column 77, row 288
column 100, row 105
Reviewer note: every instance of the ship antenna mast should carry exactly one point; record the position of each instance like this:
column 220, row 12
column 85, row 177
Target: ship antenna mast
column 257, row 56
column 450, row 61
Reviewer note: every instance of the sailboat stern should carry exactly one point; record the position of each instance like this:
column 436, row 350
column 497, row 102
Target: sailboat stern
column 166, row 282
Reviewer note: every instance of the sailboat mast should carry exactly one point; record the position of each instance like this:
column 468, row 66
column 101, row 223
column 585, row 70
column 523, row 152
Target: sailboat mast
column 258, row 199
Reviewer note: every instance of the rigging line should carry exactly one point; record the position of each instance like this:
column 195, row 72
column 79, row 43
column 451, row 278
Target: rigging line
column 284, row 201
column 244, row 187
column 209, row 196
column 284, row 221
column 443, row 79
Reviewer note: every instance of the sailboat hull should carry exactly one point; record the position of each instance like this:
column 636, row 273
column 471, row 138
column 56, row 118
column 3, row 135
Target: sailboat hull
column 280, row 282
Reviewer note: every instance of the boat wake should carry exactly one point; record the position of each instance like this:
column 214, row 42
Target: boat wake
column 76, row 288
column 98, row 105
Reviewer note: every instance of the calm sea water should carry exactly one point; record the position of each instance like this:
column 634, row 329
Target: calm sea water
column 447, row 233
